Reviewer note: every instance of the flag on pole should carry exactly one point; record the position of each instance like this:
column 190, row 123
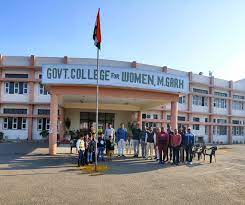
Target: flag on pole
column 97, row 32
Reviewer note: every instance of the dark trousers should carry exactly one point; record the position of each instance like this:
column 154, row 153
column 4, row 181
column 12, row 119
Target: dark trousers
column 176, row 155
column 162, row 149
column 86, row 157
column 182, row 153
column 189, row 154
column 81, row 158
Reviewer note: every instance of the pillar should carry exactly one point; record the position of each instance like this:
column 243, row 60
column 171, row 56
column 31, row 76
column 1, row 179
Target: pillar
column 62, row 123
column 31, row 92
column 163, row 117
column 174, row 115
column 53, row 125
column 211, row 109
column 139, row 119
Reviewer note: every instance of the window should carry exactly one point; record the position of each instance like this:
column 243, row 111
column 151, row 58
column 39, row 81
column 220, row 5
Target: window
column 199, row 100
column 16, row 123
column 16, row 75
column 206, row 119
column 168, row 117
column 23, row 125
column 42, row 90
column 221, row 121
column 148, row 116
column 5, row 123
column 236, row 105
column 219, row 103
column 43, row 112
column 143, row 116
column 181, row 118
column 16, row 88
column 196, row 126
column 14, row 111
column 206, row 130
column 220, row 94
column 237, row 131
column 221, row 130
column 238, row 97
column 182, row 100
column 43, row 124
column 197, row 90
column 155, row 116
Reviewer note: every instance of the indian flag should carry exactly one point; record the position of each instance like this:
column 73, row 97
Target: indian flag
column 97, row 32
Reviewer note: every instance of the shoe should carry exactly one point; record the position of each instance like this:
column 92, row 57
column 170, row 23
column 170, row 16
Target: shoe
column 118, row 155
column 123, row 155
column 157, row 160
column 190, row 163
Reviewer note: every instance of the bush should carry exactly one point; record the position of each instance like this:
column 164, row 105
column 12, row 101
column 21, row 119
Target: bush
column 1, row 136
column 44, row 133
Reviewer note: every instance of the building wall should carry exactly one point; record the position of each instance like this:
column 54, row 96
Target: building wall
column 34, row 100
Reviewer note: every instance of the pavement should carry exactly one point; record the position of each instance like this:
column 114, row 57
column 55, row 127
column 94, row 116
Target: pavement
column 28, row 175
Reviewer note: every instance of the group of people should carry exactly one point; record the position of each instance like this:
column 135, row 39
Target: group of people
column 86, row 147
column 167, row 145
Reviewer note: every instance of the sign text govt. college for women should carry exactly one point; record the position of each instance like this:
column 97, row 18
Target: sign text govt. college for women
column 113, row 76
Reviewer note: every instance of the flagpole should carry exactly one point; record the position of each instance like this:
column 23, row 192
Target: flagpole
column 97, row 110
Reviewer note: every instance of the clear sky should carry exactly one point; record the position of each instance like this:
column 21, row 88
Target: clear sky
column 187, row 35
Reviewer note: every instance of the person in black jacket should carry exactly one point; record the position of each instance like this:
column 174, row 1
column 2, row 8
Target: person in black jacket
column 91, row 149
column 110, row 147
column 101, row 146
column 136, row 131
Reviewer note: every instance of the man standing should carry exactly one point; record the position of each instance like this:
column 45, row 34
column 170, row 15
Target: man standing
column 170, row 148
column 121, row 139
column 162, row 144
column 182, row 145
column 136, row 131
column 189, row 143
column 142, row 141
column 109, row 131
column 150, row 140
column 176, row 141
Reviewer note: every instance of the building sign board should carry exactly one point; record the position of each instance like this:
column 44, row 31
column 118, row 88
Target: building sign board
column 69, row 74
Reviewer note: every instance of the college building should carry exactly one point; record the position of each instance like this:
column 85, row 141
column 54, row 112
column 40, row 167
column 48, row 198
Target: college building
column 40, row 93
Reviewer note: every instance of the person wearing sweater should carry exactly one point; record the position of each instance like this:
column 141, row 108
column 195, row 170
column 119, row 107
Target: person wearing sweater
column 101, row 146
column 175, row 143
column 136, row 131
column 189, row 143
column 162, row 139
column 121, row 139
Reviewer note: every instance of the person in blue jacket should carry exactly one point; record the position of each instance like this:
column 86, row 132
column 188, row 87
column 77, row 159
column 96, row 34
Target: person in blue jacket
column 189, row 143
column 121, row 139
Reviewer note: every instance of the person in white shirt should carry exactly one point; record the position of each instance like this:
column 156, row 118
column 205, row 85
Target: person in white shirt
column 80, row 145
column 109, row 131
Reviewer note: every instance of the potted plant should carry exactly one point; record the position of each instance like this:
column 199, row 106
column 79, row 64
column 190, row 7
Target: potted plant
column 1, row 136
column 44, row 134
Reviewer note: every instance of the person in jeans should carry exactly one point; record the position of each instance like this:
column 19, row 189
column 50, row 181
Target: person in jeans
column 143, row 136
column 80, row 145
column 182, row 145
column 136, row 131
column 189, row 143
column 101, row 147
column 162, row 143
column 170, row 148
column 176, row 142
column 150, row 142
column 91, row 149
column 121, row 140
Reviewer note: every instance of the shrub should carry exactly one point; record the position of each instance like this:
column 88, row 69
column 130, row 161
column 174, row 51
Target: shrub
column 44, row 133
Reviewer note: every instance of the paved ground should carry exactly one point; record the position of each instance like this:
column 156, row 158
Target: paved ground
column 29, row 176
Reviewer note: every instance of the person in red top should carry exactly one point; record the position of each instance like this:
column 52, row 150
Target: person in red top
column 162, row 143
column 176, row 142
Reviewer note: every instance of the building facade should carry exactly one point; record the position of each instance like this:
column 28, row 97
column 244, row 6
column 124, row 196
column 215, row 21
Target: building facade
column 214, row 108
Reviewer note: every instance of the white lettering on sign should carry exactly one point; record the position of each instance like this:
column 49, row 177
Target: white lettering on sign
column 64, row 74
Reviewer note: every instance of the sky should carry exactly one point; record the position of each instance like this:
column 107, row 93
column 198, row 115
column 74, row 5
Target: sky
column 190, row 35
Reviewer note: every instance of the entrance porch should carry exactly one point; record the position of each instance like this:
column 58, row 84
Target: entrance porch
column 116, row 105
